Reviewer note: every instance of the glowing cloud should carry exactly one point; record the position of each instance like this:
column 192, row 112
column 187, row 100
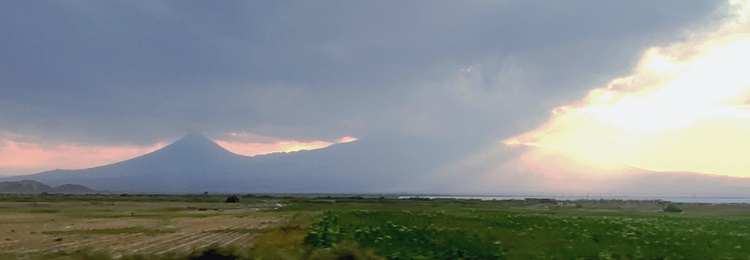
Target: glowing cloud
column 251, row 144
column 685, row 107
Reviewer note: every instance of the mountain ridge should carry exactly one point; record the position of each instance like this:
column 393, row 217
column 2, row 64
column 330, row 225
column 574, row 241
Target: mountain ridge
column 399, row 164
column 30, row 186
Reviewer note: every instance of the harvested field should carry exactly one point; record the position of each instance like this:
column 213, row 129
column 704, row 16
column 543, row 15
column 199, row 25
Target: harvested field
column 35, row 230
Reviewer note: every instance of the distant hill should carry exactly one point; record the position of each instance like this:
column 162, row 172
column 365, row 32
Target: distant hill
column 384, row 164
column 29, row 186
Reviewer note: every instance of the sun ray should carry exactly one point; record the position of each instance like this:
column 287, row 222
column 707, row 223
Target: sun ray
column 685, row 107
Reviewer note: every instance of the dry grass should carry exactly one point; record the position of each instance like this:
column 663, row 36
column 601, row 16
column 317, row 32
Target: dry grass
column 80, row 229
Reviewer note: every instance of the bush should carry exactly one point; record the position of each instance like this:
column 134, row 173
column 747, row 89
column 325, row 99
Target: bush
column 232, row 199
column 214, row 254
column 344, row 250
column 326, row 232
column 672, row 208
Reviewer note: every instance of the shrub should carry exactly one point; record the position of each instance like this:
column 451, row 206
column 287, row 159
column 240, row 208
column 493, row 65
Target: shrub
column 214, row 254
column 672, row 208
column 232, row 199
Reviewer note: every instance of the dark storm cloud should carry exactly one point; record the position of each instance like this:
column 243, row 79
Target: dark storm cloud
column 138, row 71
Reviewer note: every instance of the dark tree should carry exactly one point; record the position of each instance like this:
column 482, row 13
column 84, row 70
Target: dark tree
column 232, row 199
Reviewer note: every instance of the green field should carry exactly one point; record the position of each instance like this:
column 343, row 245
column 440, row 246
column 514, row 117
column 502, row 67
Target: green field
column 307, row 227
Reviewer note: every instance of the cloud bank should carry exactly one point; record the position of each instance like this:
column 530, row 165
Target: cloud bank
column 136, row 73
column 685, row 107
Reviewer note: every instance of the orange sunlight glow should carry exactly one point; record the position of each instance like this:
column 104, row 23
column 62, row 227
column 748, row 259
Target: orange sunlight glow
column 257, row 148
column 23, row 157
column 686, row 107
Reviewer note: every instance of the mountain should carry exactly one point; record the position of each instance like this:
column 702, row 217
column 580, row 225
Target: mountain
column 196, row 164
column 187, row 165
column 384, row 164
column 25, row 186
column 29, row 186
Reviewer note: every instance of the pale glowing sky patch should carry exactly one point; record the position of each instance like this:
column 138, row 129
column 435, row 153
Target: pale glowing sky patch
column 27, row 155
column 684, row 108
column 251, row 144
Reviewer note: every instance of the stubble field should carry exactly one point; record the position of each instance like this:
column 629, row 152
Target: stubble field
column 113, row 226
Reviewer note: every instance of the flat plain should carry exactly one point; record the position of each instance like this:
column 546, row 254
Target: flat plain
column 117, row 226
column 122, row 226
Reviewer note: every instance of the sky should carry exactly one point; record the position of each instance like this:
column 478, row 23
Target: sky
column 684, row 107
column 656, row 85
